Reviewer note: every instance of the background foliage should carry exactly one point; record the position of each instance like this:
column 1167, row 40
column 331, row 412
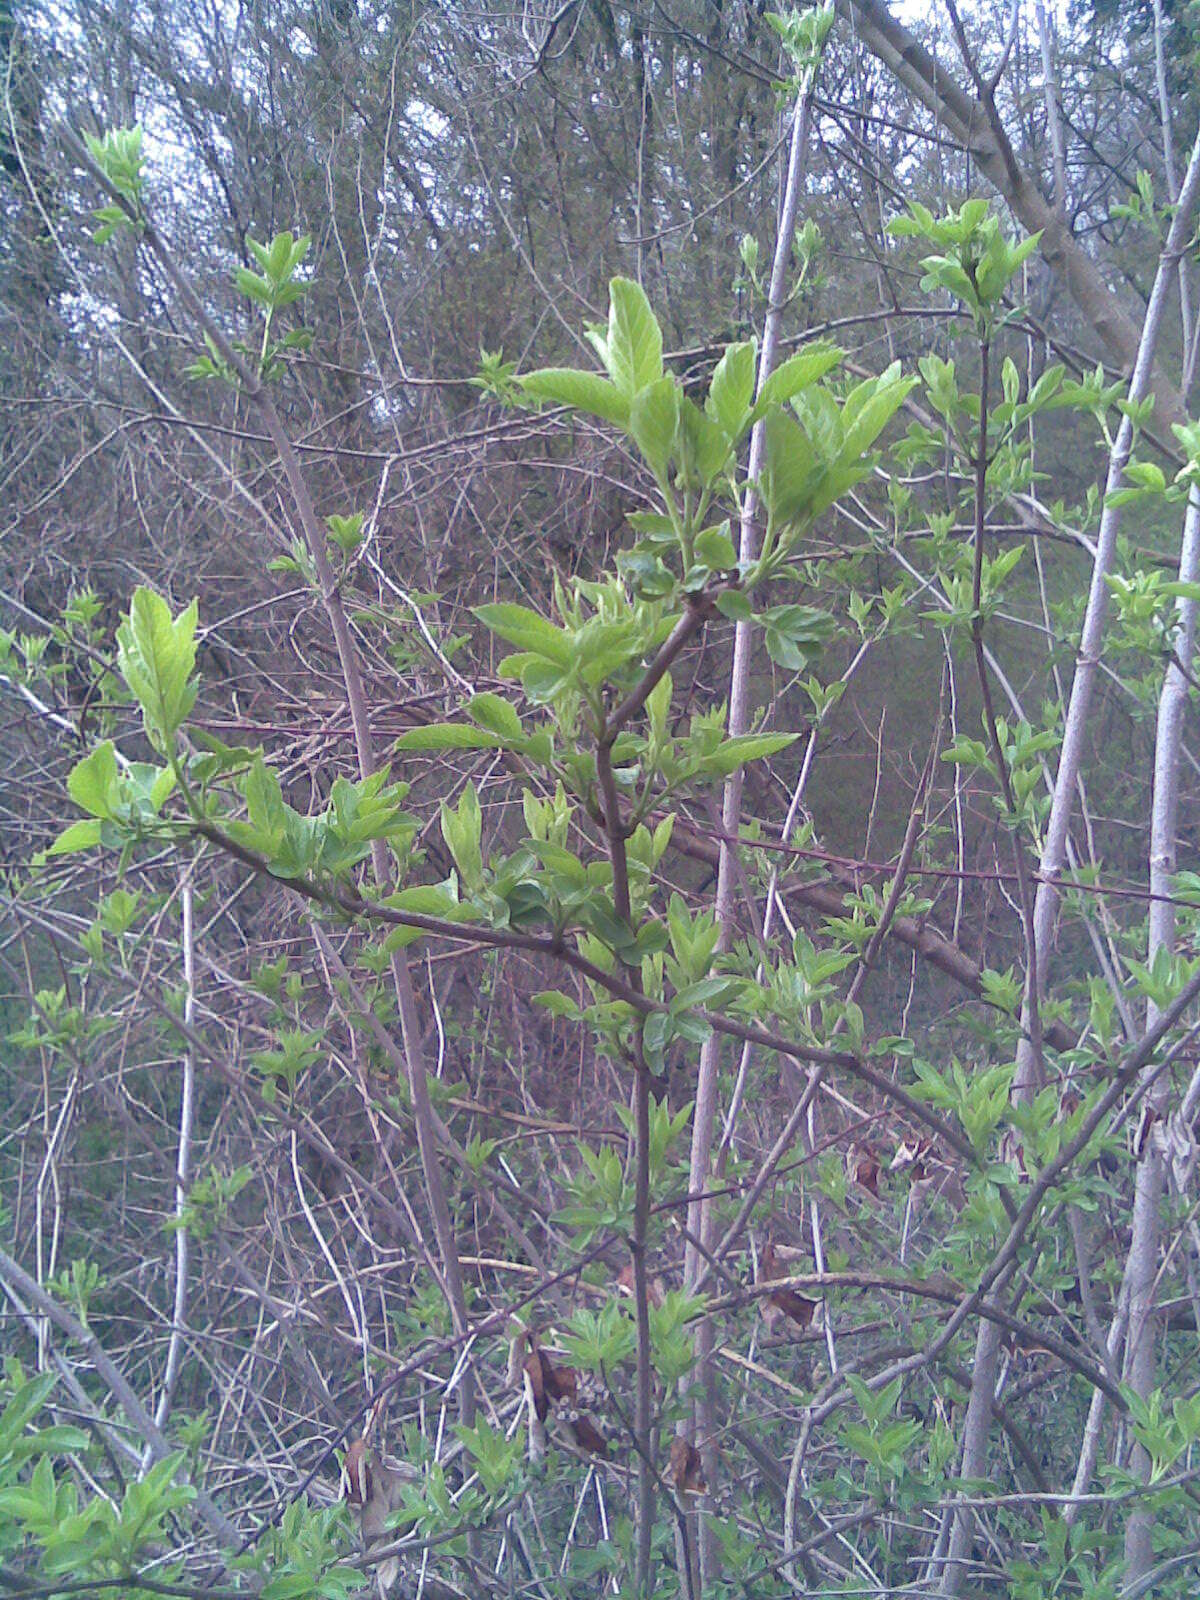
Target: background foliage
column 599, row 773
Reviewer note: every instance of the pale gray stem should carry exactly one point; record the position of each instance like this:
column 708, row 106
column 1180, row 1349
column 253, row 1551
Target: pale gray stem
column 1090, row 1447
column 1186, row 318
column 704, row 1116
column 789, row 823
column 739, row 1087
column 1054, row 851
column 1145, row 1238
column 977, row 1426
column 1058, row 146
column 183, row 1171
column 977, row 124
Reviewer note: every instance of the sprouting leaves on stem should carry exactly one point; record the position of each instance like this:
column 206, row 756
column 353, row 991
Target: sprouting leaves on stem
column 975, row 262
column 118, row 155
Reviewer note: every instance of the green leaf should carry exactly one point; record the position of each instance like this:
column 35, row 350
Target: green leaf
column 656, row 1035
column 495, row 714
column 791, row 472
column 703, row 445
column 462, row 829
column 1148, row 475
column 429, row 900
column 94, row 784
column 448, row 736
column 735, row 605
column 870, row 408
column 654, row 421
column 1046, row 387
column 426, row 900
column 1021, row 251
column 941, row 272
column 734, row 753
column 283, row 256
column 919, row 225
column 634, row 346
column 796, row 634
column 557, row 1004
column 278, row 261
column 796, row 373
column 520, row 626
column 731, row 391
column 82, row 835
column 58, row 1437
column 254, row 287
column 157, row 654
column 264, row 799
column 346, row 532
column 715, row 548
column 703, row 993
column 118, row 154
column 584, row 391
column 540, row 680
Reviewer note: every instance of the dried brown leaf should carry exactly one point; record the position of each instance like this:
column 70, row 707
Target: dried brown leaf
column 588, row 1437
column 656, row 1289
column 782, row 1302
column 862, row 1167
column 532, row 1366
column 686, row 1470
column 356, row 1474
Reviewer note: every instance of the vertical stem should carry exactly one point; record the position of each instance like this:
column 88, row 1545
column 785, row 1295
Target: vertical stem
column 1096, row 615
column 1053, row 116
column 978, row 1421
column 704, row 1117
column 1032, row 1002
column 1090, row 1447
column 643, row 1398
column 183, row 1173
column 643, row 1391
column 1168, row 143
column 1144, row 1242
column 1054, row 848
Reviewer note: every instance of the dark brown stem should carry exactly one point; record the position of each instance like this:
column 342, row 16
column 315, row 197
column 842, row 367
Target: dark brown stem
column 643, row 1394
column 1032, row 1007
column 699, row 610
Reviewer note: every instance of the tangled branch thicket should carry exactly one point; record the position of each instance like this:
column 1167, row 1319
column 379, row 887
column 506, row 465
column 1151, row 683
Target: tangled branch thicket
column 597, row 935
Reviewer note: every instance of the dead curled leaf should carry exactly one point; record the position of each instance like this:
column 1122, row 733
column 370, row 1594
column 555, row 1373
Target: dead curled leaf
column 656, row 1290
column 587, row 1436
column 1145, row 1124
column 1021, row 1344
column 356, row 1478
column 686, row 1470
column 862, row 1166
column 782, row 1302
column 556, row 1389
column 914, row 1156
column 548, row 1384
